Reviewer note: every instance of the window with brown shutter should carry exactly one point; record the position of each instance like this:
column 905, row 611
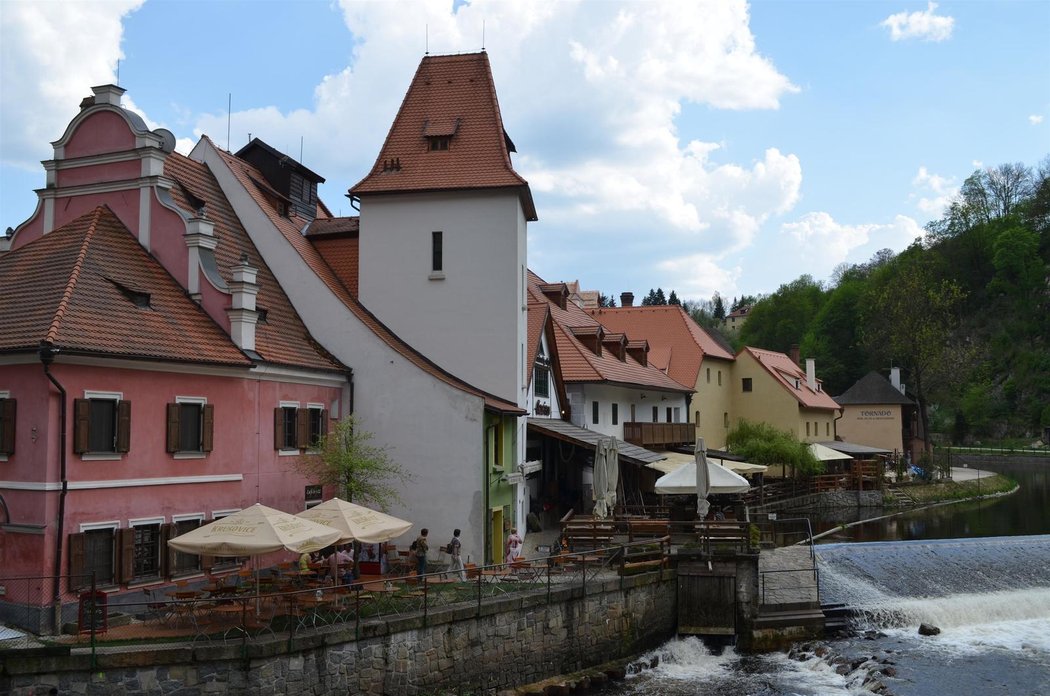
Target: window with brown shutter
column 81, row 424
column 172, row 429
column 289, row 429
column 123, row 426
column 7, row 426
column 302, row 428
column 92, row 553
column 167, row 554
column 76, row 562
column 126, row 562
column 101, row 425
column 208, row 425
column 278, row 428
column 190, row 424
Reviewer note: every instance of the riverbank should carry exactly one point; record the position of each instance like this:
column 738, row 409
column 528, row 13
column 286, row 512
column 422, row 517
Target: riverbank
column 960, row 488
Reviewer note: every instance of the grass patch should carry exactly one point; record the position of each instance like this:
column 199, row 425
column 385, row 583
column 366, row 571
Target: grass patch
column 960, row 490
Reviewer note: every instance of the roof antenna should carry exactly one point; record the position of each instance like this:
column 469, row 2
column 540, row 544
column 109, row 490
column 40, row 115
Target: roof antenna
column 483, row 35
column 118, row 72
column 426, row 39
column 300, row 149
column 229, row 110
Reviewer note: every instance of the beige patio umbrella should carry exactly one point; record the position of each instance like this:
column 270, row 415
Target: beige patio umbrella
column 356, row 522
column 253, row 531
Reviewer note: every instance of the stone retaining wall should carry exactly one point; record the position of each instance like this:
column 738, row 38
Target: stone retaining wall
column 511, row 641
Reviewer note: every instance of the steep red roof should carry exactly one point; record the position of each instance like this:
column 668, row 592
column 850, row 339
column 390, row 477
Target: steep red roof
column 537, row 315
column 581, row 364
column 454, row 98
column 336, row 239
column 288, row 228
column 89, row 287
column 785, row 371
column 282, row 338
column 678, row 344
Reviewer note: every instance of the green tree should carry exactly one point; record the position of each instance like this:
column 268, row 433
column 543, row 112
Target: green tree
column 606, row 300
column 660, row 298
column 1019, row 270
column 911, row 315
column 348, row 458
column 718, row 307
column 782, row 319
column 673, row 299
column 761, row 443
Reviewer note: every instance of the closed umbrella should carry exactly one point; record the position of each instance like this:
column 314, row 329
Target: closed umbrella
column 356, row 522
column 606, row 476
column 703, row 479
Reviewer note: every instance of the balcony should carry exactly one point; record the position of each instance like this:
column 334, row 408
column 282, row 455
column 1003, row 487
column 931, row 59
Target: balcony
column 659, row 435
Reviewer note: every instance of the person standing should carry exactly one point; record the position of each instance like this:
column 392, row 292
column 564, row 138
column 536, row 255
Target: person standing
column 421, row 548
column 455, row 548
column 513, row 546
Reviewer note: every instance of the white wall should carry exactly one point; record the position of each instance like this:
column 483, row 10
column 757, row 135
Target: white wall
column 432, row 429
column 472, row 322
column 581, row 397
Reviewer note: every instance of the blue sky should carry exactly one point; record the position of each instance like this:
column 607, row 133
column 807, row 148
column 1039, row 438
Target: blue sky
column 700, row 146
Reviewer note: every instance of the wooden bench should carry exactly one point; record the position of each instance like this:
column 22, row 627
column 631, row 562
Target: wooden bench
column 647, row 529
column 729, row 535
column 584, row 533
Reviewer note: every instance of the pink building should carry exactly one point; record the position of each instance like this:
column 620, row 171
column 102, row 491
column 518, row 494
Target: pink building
column 154, row 375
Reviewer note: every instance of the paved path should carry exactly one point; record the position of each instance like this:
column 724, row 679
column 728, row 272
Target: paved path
column 963, row 474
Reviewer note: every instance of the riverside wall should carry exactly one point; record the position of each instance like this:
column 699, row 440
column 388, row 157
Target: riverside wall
column 500, row 644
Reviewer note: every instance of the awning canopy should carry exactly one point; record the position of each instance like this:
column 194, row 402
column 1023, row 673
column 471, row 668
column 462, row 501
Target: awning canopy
column 827, row 454
column 677, row 459
column 854, row 450
column 567, row 432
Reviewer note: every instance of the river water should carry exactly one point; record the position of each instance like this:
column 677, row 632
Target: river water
column 978, row 571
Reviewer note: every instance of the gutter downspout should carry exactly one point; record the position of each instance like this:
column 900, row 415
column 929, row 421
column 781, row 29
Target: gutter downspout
column 47, row 355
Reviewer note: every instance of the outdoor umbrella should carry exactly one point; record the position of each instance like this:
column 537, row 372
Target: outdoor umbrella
column 254, row 531
column 682, row 481
column 356, row 522
column 703, row 479
column 606, row 476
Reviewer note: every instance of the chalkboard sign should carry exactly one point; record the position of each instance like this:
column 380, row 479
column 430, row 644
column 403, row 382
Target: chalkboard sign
column 93, row 612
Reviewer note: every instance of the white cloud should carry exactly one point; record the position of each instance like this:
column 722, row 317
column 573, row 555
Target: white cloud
column 934, row 192
column 51, row 53
column 926, row 25
column 825, row 243
column 698, row 276
column 1035, row 119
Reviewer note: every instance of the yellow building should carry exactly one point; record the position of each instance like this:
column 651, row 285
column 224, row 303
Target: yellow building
column 876, row 413
column 769, row 387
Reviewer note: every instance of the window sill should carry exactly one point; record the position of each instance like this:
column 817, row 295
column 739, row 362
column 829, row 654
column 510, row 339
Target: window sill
column 287, row 453
column 436, row 275
column 3, row 457
column 145, row 582
column 189, row 455
column 101, row 456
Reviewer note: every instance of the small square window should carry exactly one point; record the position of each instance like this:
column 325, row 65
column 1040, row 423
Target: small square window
column 102, row 424
column 439, row 143
column 745, row 384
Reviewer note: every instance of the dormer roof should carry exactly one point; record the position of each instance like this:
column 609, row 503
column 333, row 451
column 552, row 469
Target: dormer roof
column 792, row 378
column 448, row 135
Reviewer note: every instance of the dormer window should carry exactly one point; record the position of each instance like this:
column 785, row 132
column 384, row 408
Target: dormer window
column 438, row 142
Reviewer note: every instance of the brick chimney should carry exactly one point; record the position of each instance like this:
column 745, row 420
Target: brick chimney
column 794, row 354
column 626, row 299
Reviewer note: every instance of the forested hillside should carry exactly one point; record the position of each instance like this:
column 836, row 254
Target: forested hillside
column 965, row 312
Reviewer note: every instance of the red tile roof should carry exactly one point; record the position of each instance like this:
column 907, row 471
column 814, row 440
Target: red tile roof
column 449, row 96
column 336, row 239
column 677, row 344
column 537, row 315
column 89, row 287
column 580, row 364
column 785, row 371
column 282, row 338
column 315, row 261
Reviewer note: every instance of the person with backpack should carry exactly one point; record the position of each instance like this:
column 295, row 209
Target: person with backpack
column 420, row 547
column 454, row 549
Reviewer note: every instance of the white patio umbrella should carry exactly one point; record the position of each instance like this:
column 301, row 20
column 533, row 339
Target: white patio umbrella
column 254, row 531
column 606, row 477
column 682, row 481
column 356, row 522
column 703, row 479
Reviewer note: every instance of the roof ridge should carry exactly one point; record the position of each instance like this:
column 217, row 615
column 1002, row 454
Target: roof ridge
column 74, row 276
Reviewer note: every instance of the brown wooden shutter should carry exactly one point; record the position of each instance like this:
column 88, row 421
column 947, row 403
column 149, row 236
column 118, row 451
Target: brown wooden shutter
column 76, row 562
column 324, row 422
column 207, row 427
column 7, row 426
column 278, row 428
column 126, row 562
column 81, row 424
column 167, row 554
column 123, row 426
column 302, row 428
column 172, row 439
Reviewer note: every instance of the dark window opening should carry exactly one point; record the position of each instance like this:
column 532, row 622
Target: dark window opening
column 615, row 414
column 186, row 562
column 439, row 143
column 147, row 551
column 656, row 414
column 191, row 417
column 745, row 384
column 436, row 260
column 541, row 378
column 7, row 426
column 289, row 420
column 317, row 429
column 99, row 546
column 670, row 413
column 102, row 425
column 594, row 412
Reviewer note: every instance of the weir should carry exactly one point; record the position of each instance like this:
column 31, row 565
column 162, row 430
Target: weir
column 951, row 582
